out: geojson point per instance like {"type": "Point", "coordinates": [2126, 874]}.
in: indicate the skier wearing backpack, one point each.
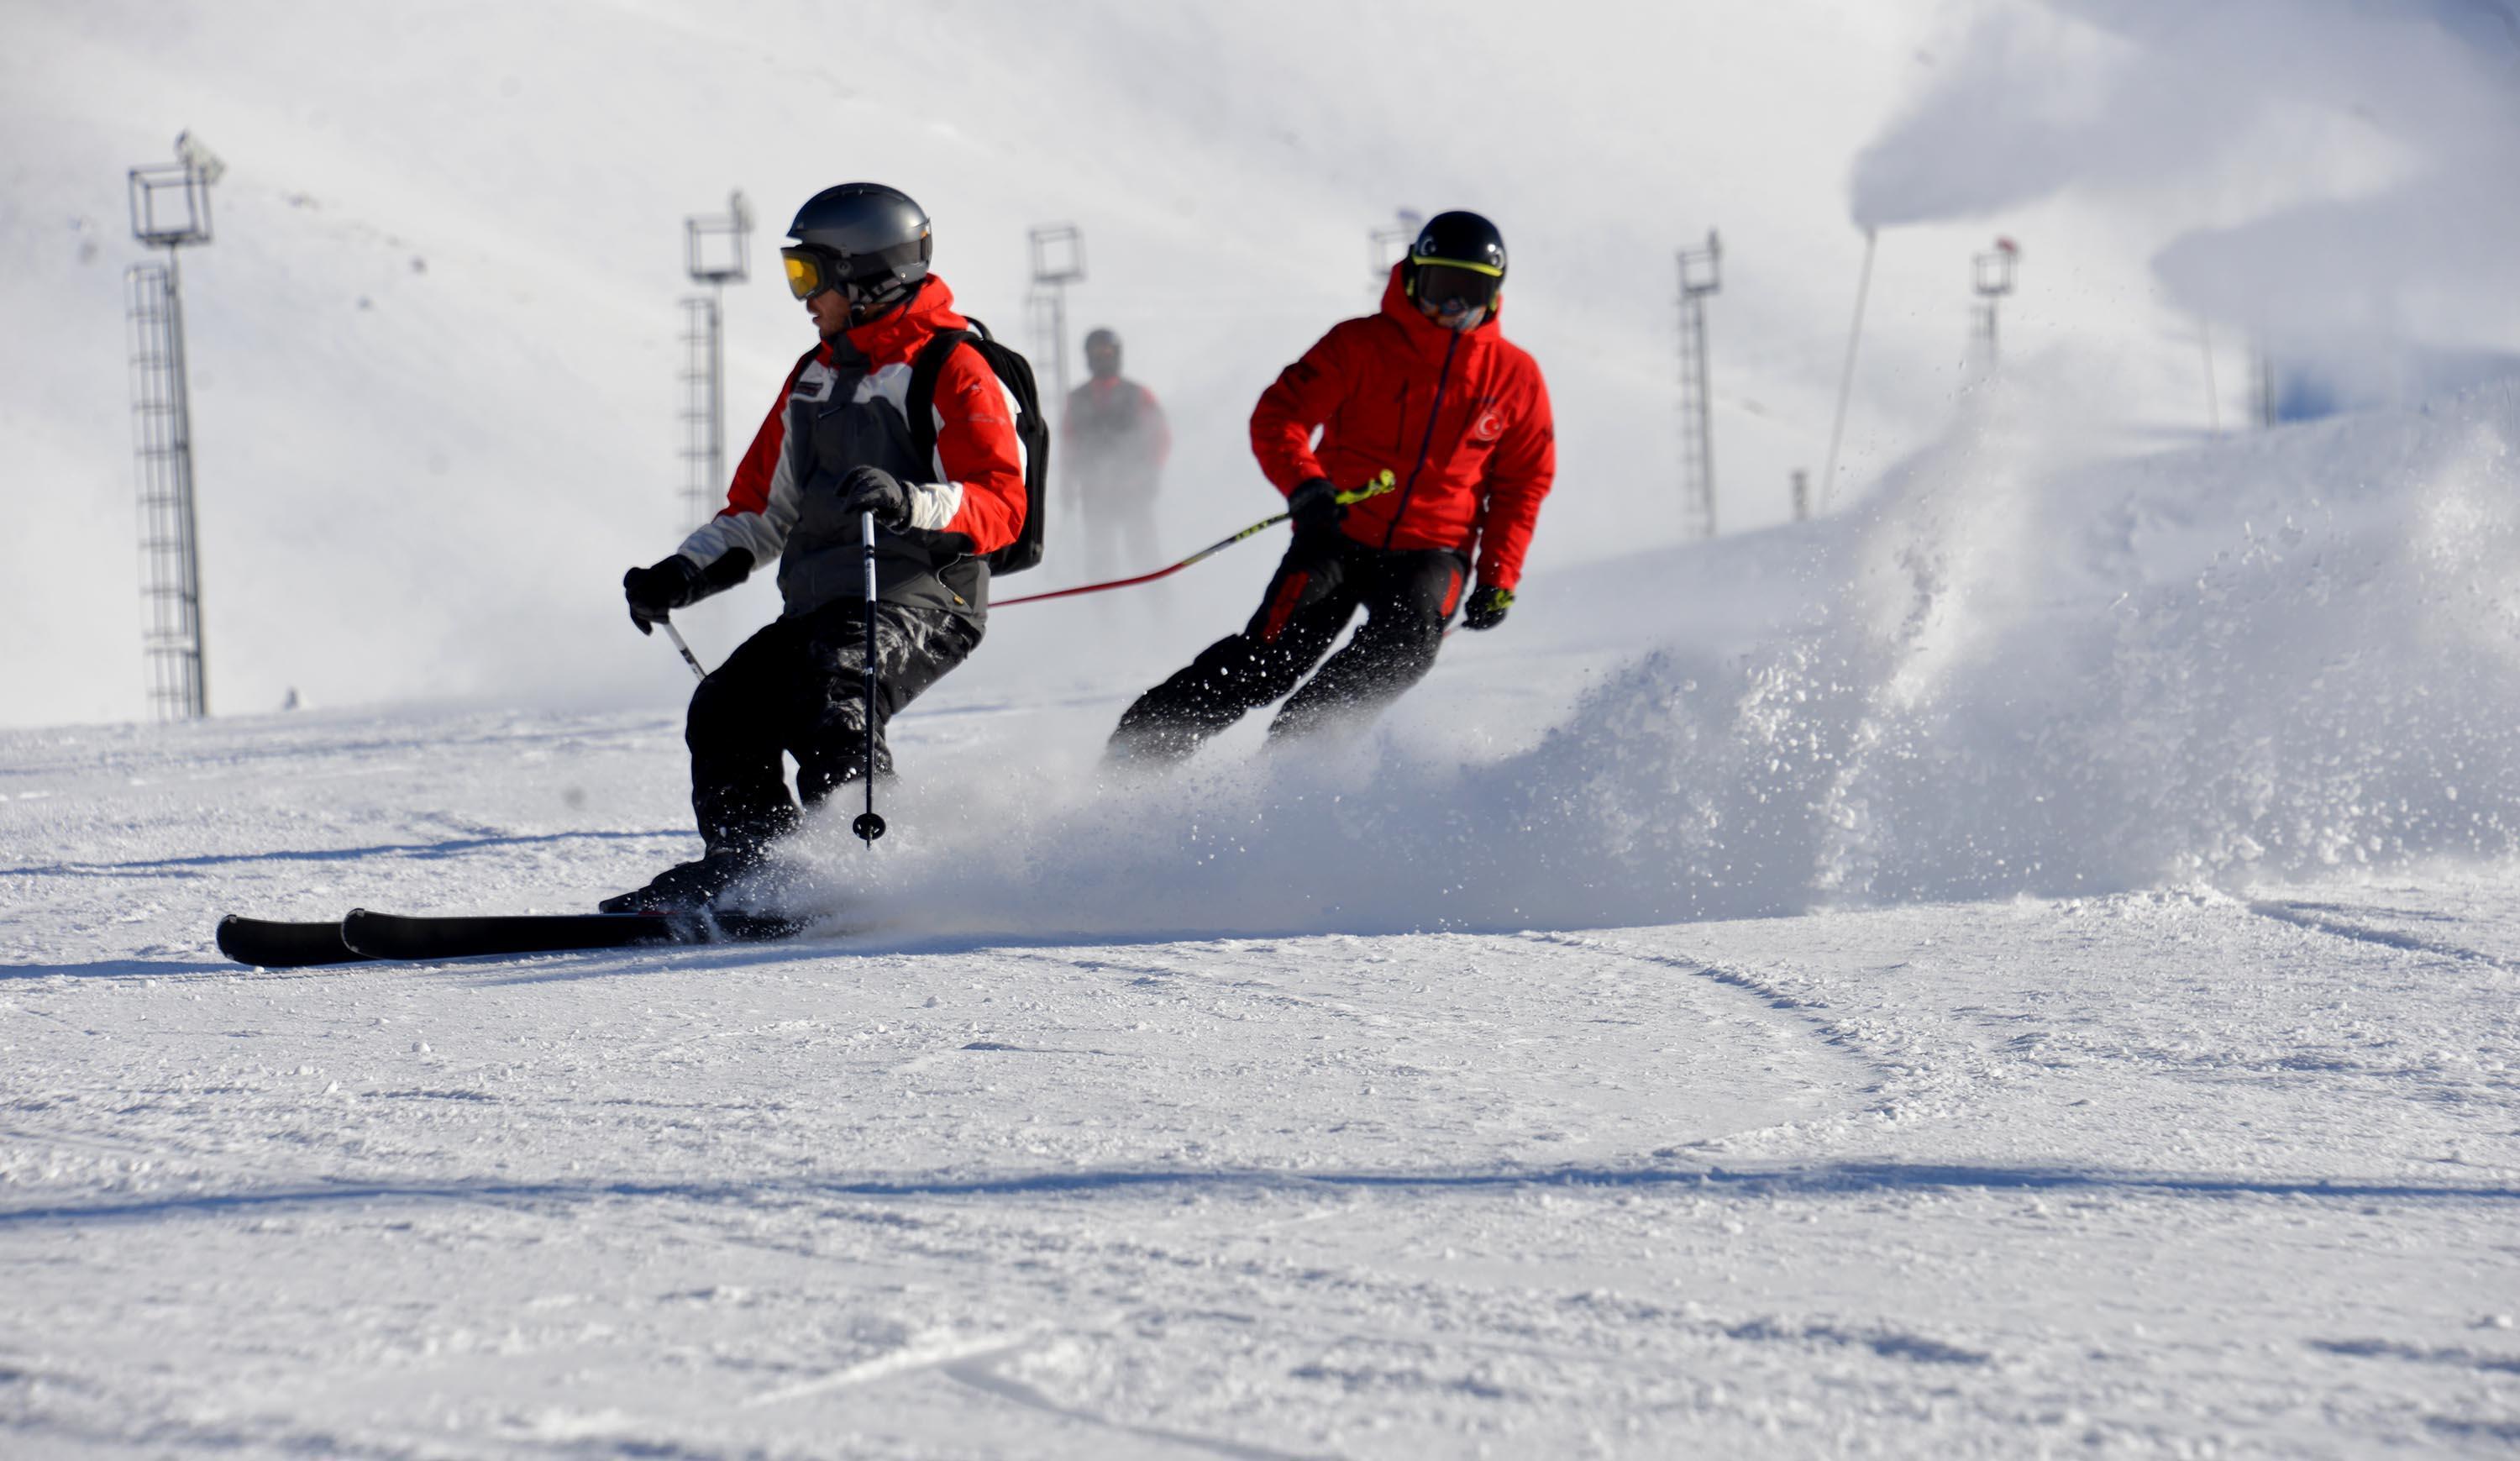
{"type": "Point", "coordinates": [948, 487]}
{"type": "Point", "coordinates": [1429, 390]}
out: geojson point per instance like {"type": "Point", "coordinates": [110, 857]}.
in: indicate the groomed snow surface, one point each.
{"type": "Point", "coordinates": [2026, 967]}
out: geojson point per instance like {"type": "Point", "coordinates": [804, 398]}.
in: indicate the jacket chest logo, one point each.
{"type": "Point", "coordinates": [814, 383]}
{"type": "Point", "coordinates": [1487, 421]}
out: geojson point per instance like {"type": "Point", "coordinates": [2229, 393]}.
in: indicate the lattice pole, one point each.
{"type": "Point", "coordinates": [1046, 307]}
{"type": "Point", "coordinates": [1387, 245]}
{"type": "Point", "coordinates": [1701, 275]}
{"type": "Point", "coordinates": [703, 416]}
{"type": "Point", "coordinates": [714, 254]}
{"type": "Point", "coordinates": [170, 559]}
{"type": "Point", "coordinates": [1992, 280]}
{"type": "Point", "coordinates": [170, 207]}
{"type": "Point", "coordinates": [1057, 261]}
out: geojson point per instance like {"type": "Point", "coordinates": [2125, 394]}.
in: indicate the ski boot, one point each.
{"type": "Point", "coordinates": [689, 886]}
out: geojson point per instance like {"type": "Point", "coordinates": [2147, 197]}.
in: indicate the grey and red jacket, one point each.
{"type": "Point", "coordinates": [1460, 418]}
{"type": "Point", "coordinates": [1112, 442]}
{"type": "Point", "coordinates": [845, 405]}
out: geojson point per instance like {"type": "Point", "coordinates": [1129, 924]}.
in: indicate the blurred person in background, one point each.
{"type": "Point", "coordinates": [1429, 392]}
{"type": "Point", "coordinates": [1112, 440]}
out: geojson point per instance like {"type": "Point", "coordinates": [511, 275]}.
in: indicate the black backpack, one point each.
{"type": "Point", "coordinates": [1032, 428]}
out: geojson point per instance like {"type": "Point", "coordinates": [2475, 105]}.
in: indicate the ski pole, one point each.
{"type": "Point", "coordinates": [690, 658]}
{"type": "Point", "coordinates": [1375, 488]}
{"type": "Point", "coordinates": [869, 826]}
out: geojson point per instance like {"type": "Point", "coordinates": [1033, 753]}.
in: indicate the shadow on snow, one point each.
{"type": "Point", "coordinates": [449, 848]}
{"type": "Point", "coordinates": [1826, 1179]}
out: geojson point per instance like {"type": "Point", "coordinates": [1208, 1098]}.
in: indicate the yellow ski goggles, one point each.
{"type": "Point", "coordinates": [811, 270]}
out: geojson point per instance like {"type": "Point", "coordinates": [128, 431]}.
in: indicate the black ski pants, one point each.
{"type": "Point", "coordinates": [1323, 580]}
{"type": "Point", "coordinates": [798, 686]}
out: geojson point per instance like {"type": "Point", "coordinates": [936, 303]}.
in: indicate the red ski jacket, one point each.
{"type": "Point", "coordinates": [1460, 419]}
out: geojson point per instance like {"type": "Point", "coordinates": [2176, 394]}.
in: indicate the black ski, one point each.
{"type": "Point", "coordinates": [388, 935]}
{"type": "Point", "coordinates": [268, 944]}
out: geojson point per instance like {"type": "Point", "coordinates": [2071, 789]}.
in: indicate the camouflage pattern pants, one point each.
{"type": "Point", "coordinates": [798, 687]}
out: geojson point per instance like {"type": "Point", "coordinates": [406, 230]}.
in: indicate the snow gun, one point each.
{"type": "Point", "coordinates": [1374, 489]}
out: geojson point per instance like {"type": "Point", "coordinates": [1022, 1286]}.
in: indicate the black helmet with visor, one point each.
{"type": "Point", "coordinates": [1457, 264]}
{"type": "Point", "coordinates": [868, 240]}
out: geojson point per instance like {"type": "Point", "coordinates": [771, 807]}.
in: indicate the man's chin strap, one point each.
{"type": "Point", "coordinates": [876, 308]}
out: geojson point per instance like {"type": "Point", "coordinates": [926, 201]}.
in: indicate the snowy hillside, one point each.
{"type": "Point", "coordinates": [2022, 965]}
{"type": "Point", "coordinates": [435, 338]}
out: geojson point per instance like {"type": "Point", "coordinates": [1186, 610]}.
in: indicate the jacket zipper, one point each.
{"type": "Point", "coordinates": [1443, 378]}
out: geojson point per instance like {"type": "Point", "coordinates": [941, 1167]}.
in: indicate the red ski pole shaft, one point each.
{"type": "Point", "coordinates": [1163, 573]}
{"type": "Point", "coordinates": [1376, 488]}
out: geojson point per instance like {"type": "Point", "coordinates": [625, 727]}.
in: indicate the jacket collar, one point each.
{"type": "Point", "coordinates": [893, 338]}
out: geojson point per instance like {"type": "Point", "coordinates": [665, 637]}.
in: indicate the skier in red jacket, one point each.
{"type": "Point", "coordinates": [1431, 391]}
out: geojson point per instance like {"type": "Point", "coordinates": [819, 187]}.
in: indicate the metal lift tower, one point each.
{"type": "Point", "coordinates": [1701, 273]}
{"type": "Point", "coordinates": [714, 254]}
{"type": "Point", "coordinates": [1057, 261]}
{"type": "Point", "coordinates": [1992, 278]}
{"type": "Point", "coordinates": [170, 207]}
{"type": "Point", "coordinates": [1389, 245]}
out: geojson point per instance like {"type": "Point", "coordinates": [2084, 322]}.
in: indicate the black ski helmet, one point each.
{"type": "Point", "coordinates": [1103, 339]}
{"type": "Point", "coordinates": [870, 237]}
{"type": "Point", "coordinates": [1456, 240]}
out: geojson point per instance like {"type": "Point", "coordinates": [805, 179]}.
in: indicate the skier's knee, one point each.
{"type": "Point", "coordinates": [714, 717]}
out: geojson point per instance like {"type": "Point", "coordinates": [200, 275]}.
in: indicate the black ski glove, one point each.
{"type": "Point", "coordinates": [1314, 505]}
{"type": "Point", "coordinates": [1487, 606]}
{"type": "Point", "coordinates": [872, 490]}
{"type": "Point", "coordinates": [655, 592]}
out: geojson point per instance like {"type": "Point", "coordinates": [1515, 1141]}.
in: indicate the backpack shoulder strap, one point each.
{"type": "Point", "coordinates": [920, 402]}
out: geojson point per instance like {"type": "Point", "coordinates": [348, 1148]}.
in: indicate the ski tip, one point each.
{"type": "Point", "coordinates": [267, 944]}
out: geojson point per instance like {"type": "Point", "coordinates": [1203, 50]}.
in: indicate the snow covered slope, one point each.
{"type": "Point", "coordinates": [1368, 1102]}
{"type": "Point", "coordinates": [2152, 1173]}
{"type": "Point", "coordinates": [2023, 966]}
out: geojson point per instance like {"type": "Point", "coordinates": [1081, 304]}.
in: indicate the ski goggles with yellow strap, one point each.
{"type": "Point", "coordinates": [1451, 283]}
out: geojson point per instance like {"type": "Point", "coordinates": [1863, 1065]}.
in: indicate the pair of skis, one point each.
{"type": "Point", "coordinates": [363, 935]}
